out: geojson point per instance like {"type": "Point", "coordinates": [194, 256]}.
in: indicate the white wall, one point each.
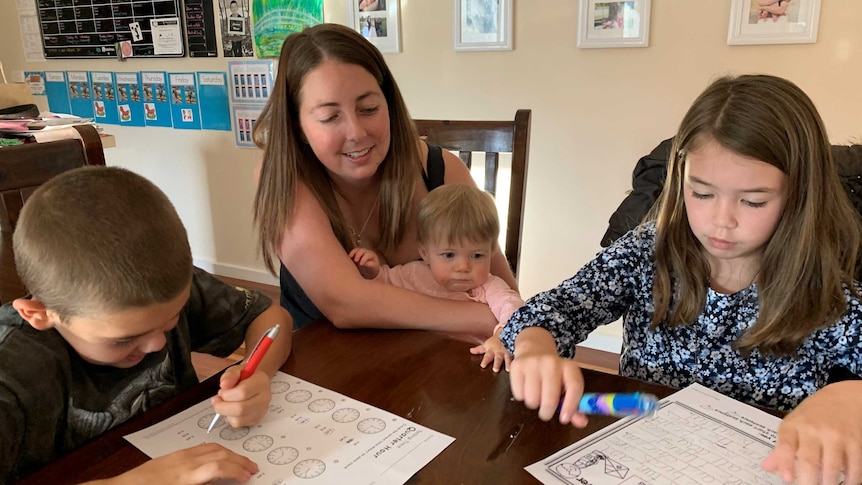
{"type": "Point", "coordinates": [595, 112]}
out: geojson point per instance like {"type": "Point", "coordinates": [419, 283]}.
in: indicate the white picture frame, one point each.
{"type": "Point", "coordinates": [482, 25]}
{"type": "Point", "coordinates": [613, 23]}
{"type": "Point", "coordinates": [378, 21]}
{"type": "Point", "coordinates": [762, 22]}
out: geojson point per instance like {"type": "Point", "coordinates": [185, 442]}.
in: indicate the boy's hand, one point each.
{"type": "Point", "coordinates": [242, 403]}
{"type": "Point", "coordinates": [366, 261]}
{"type": "Point", "coordinates": [821, 438]}
{"type": "Point", "coordinates": [197, 465]}
{"type": "Point", "coordinates": [494, 352]}
{"type": "Point", "coordinates": [539, 376]}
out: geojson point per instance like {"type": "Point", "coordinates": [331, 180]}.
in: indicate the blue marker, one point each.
{"type": "Point", "coordinates": [618, 404]}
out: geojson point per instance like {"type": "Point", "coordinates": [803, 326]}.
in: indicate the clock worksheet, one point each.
{"type": "Point", "coordinates": [310, 435]}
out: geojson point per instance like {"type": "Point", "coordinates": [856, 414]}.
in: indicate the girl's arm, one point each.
{"type": "Point", "coordinates": [821, 438]}
{"type": "Point", "coordinates": [311, 252]}
{"type": "Point", "coordinates": [457, 173]}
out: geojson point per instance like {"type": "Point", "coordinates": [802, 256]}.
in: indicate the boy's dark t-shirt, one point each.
{"type": "Point", "coordinates": [52, 401]}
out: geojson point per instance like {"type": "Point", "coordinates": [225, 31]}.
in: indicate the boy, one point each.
{"type": "Point", "coordinates": [115, 310]}
{"type": "Point", "coordinates": [458, 228]}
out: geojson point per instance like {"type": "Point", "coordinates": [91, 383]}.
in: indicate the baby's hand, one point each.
{"type": "Point", "coordinates": [494, 352]}
{"type": "Point", "coordinates": [821, 438]}
{"type": "Point", "coordinates": [242, 403]}
{"type": "Point", "coordinates": [367, 261]}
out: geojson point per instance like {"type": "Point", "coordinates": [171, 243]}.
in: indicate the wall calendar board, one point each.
{"type": "Point", "coordinates": [91, 28]}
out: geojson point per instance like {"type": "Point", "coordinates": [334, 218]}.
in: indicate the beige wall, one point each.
{"type": "Point", "coordinates": [595, 112]}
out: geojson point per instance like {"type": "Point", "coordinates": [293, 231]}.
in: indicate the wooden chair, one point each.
{"type": "Point", "coordinates": [23, 168]}
{"type": "Point", "coordinates": [492, 138]}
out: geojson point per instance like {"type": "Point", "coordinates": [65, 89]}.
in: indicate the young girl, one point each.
{"type": "Point", "coordinates": [742, 281]}
{"type": "Point", "coordinates": [457, 226]}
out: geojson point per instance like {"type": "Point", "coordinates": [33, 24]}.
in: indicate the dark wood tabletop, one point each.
{"type": "Point", "coordinates": [427, 378]}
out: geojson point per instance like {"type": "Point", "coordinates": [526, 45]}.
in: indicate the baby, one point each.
{"type": "Point", "coordinates": [458, 228]}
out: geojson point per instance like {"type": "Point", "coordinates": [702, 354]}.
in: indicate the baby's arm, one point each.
{"type": "Point", "coordinates": [367, 262]}
{"type": "Point", "coordinates": [503, 302]}
{"type": "Point", "coordinates": [495, 352]}
{"type": "Point", "coordinates": [821, 438]}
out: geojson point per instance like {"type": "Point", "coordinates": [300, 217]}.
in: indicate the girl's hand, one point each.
{"type": "Point", "coordinates": [197, 465]}
{"type": "Point", "coordinates": [539, 375]}
{"type": "Point", "coordinates": [494, 352]}
{"type": "Point", "coordinates": [242, 403]}
{"type": "Point", "coordinates": [821, 438]}
{"type": "Point", "coordinates": [367, 261]}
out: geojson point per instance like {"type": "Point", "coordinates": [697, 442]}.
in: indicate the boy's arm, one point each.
{"type": "Point", "coordinates": [199, 464]}
{"type": "Point", "coordinates": [280, 348]}
{"type": "Point", "coordinates": [245, 403]}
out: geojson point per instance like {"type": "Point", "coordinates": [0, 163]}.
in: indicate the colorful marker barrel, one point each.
{"type": "Point", "coordinates": [618, 404]}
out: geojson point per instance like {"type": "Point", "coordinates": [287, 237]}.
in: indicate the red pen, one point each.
{"type": "Point", "coordinates": [257, 354]}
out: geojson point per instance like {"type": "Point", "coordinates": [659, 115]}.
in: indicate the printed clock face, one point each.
{"type": "Point", "coordinates": [257, 443]}
{"type": "Point", "coordinates": [282, 455]}
{"type": "Point", "coordinates": [300, 395]}
{"type": "Point", "coordinates": [321, 405]}
{"type": "Point", "coordinates": [345, 415]}
{"type": "Point", "coordinates": [371, 425]}
{"type": "Point", "coordinates": [277, 387]}
{"type": "Point", "coordinates": [204, 422]}
{"type": "Point", "coordinates": [310, 468]}
{"type": "Point", "coordinates": [231, 433]}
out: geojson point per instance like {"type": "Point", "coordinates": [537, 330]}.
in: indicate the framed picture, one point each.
{"type": "Point", "coordinates": [377, 21]}
{"type": "Point", "coordinates": [612, 23]}
{"type": "Point", "coordinates": [236, 25]}
{"type": "Point", "coordinates": [483, 25]}
{"type": "Point", "coordinates": [773, 22]}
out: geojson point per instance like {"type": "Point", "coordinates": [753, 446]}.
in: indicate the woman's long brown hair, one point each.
{"type": "Point", "coordinates": [287, 160]}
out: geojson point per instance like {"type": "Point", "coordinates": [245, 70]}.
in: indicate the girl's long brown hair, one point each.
{"type": "Point", "coordinates": [812, 254]}
{"type": "Point", "coordinates": [288, 160]}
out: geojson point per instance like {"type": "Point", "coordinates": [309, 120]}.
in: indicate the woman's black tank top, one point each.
{"type": "Point", "coordinates": [294, 299]}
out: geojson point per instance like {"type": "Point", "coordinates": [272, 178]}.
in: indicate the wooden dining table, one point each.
{"type": "Point", "coordinates": [427, 378]}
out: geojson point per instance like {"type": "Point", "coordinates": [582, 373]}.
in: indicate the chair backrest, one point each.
{"type": "Point", "coordinates": [23, 168]}
{"type": "Point", "coordinates": [492, 138]}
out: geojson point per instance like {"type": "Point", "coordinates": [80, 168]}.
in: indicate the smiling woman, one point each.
{"type": "Point", "coordinates": [341, 153]}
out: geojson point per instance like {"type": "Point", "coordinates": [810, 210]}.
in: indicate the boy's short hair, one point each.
{"type": "Point", "coordinates": [97, 239]}
{"type": "Point", "coordinates": [457, 213]}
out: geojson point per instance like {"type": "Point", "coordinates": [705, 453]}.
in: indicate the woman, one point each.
{"type": "Point", "coordinates": [343, 167]}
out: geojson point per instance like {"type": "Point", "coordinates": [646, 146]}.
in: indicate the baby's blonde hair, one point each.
{"type": "Point", "coordinates": [457, 213]}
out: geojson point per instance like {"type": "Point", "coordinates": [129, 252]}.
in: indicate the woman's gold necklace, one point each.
{"type": "Point", "coordinates": [357, 236]}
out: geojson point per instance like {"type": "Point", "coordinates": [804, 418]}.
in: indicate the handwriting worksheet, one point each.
{"type": "Point", "coordinates": [698, 436]}
{"type": "Point", "coordinates": [310, 435]}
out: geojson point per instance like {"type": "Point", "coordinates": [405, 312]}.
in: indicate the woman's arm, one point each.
{"type": "Point", "coordinates": [458, 173]}
{"type": "Point", "coordinates": [311, 252]}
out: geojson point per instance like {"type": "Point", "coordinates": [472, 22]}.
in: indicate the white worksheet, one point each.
{"type": "Point", "coordinates": [698, 436]}
{"type": "Point", "coordinates": [311, 435]}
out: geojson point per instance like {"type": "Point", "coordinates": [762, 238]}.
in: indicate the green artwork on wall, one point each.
{"type": "Point", "coordinates": [276, 19]}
